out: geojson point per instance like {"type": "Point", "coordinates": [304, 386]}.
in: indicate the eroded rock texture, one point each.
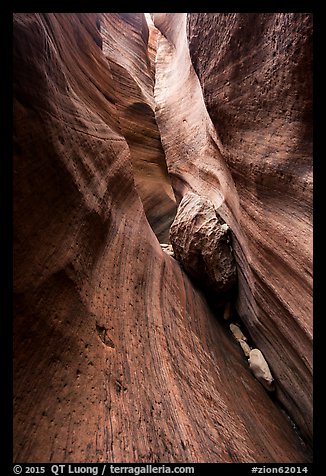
{"type": "Point", "coordinates": [252, 157]}
{"type": "Point", "coordinates": [117, 357]}
{"type": "Point", "coordinates": [201, 243]}
{"type": "Point", "coordinates": [132, 72]}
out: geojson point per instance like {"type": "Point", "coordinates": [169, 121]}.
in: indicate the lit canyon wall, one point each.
{"type": "Point", "coordinates": [252, 157]}
{"type": "Point", "coordinates": [117, 355]}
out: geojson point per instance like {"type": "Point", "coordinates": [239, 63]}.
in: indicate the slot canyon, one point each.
{"type": "Point", "coordinates": [162, 206]}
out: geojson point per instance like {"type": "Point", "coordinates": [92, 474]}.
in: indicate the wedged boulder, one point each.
{"type": "Point", "coordinates": [202, 244]}
{"type": "Point", "coordinates": [242, 137]}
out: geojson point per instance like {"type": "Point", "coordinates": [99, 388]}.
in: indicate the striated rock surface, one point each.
{"type": "Point", "coordinates": [117, 357]}
{"type": "Point", "coordinates": [152, 44]}
{"type": "Point", "coordinates": [131, 90]}
{"type": "Point", "coordinates": [201, 243]}
{"type": "Point", "coordinates": [252, 157]}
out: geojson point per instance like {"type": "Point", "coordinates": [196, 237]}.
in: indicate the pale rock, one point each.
{"type": "Point", "coordinates": [245, 347]}
{"type": "Point", "coordinates": [236, 331]}
{"type": "Point", "coordinates": [167, 249]}
{"type": "Point", "coordinates": [260, 369]}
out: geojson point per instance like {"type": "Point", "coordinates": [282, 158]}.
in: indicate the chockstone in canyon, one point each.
{"type": "Point", "coordinates": [162, 237]}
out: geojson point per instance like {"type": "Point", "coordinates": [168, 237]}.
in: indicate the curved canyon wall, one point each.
{"type": "Point", "coordinates": [117, 356]}
{"type": "Point", "coordinates": [252, 157]}
{"type": "Point", "coordinates": [132, 72]}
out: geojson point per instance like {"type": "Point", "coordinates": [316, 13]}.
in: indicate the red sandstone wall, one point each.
{"type": "Point", "coordinates": [117, 356]}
